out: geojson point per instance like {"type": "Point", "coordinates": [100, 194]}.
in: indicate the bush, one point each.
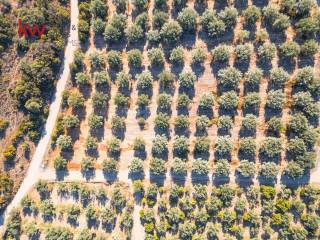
{"type": "Point", "coordinates": [159, 145]}
{"type": "Point", "coordinates": [183, 101]}
{"type": "Point", "coordinates": [156, 56]}
{"type": "Point", "coordinates": [252, 101]}
{"type": "Point", "coordinates": [98, 8]}
{"type": "Point", "coordinates": [64, 142]}
{"type": "Point", "coordinates": [63, 233]}
{"type": "Point", "coordinates": [60, 163]}
{"type": "Point", "coordinates": [309, 48]}
{"type": "Point", "coordinates": [206, 100]}
{"type": "Point", "coordinates": [91, 143]}
{"type": "Point", "coordinates": [162, 122]}
{"type": "Point", "coordinates": [248, 147]}
{"type": "Point", "coordinates": [278, 77]}
{"type": "Point", "coordinates": [223, 145]}
{"type": "Point", "coordinates": [221, 53]}
{"type": "Point", "coordinates": [112, 34]}
{"type": "Point", "coordinates": [296, 147]}
{"type": "Point", "coordinates": [181, 145]}
{"type": "Point", "coordinates": [202, 122]}
{"type": "Point", "coordinates": [294, 170]}
{"type": "Point", "coordinates": [123, 80]}
{"type": "Point", "coordinates": [95, 121]}
{"type": "Point", "coordinates": [166, 79]}
{"type": "Point", "coordinates": [202, 145]}
{"type": "Point", "coordinates": [289, 49]}
{"type": "Point", "coordinates": [225, 123]}
{"type": "Point", "coordinates": [247, 169]}
{"type": "Point", "coordinates": [186, 80]}
{"type": "Point", "coordinates": [153, 36]}
{"type": "Point", "coordinates": [87, 164]}
{"type": "Point", "coordinates": [298, 123]}
{"type": "Point", "coordinates": [121, 100]}
{"type": "Point", "coordinates": [179, 167]}
{"type": "Point", "coordinates": [307, 27]}
{"type": "Point", "coordinates": [275, 125]}
{"type": "Point", "coordinates": [182, 122]}
{"type": "Point", "coordinates": [305, 77]}
{"type": "Point", "coordinates": [117, 123]}
{"type": "Point", "coordinates": [251, 15]}
{"type": "Point", "coordinates": [267, 52]}
{"type": "Point", "coordinates": [135, 58]}
{"type": "Point", "coordinates": [187, 19]}
{"type": "Point", "coordinates": [157, 167]}
{"type": "Point", "coordinates": [229, 16]}
{"type": "Point", "coordinates": [136, 166]}
{"type": "Point", "coordinates": [276, 99]}
{"type": "Point", "coordinates": [253, 77]}
{"type": "Point", "coordinates": [113, 146]}
{"type": "Point", "coordinates": [198, 55]}
{"type": "Point", "coordinates": [269, 170]}
{"type": "Point", "coordinates": [76, 100]}
{"type": "Point", "coordinates": [249, 123]}
{"type": "Point", "coordinates": [4, 124]}
{"type": "Point", "coordinates": [98, 26]}
{"type": "Point", "coordinates": [159, 19]}
{"type": "Point", "coordinates": [200, 167]}
{"type": "Point", "coordinates": [143, 100]}
{"type": "Point", "coordinates": [261, 35]}
{"type": "Point", "coordinates": [243, 52]}
{"type": "Point", "coordinates": [144, 81]}
{"type": "Point", "coordinates": [177, 55]}
{"type": "Point", "coordinates": [171, 32]}
{"type": "Point", "coordinates": [114, 59]}
{"type": "Point", "coordinates": [164, 101]}
{"type": "Point", "coordinates": [71, 121]}
{"type": "Point", "coordinates": [83, 30]}
{"type": "Point", "coordinates": [134, 33]}
{"type": "Point", "coordinates": [101, 78]}
{"type": "Point", "coordinates": [140, 5]}
{"type": "Point", "coordinates": [142, 20]}
{"type": "Point", "coordinates": [229, 100]}
{"type": "Point", "coordinates": [82, 78]}
{"type": "Point", "coordinates": [99, 100]}
{"type": "Point", "coordinates": [139, 144]}
{"type": "Point", "coordinates": [120, 5]}
{"type": "Point", "coordinates": [97, 60]}
{"type": "Point", "coordinates": [271, 147]}
{"type": "Point", "coordinates": [222, 168]}
{"type": "Point", "coordinates": [110, 166]}
{"type": "Point", "coordinates": [229, 77]}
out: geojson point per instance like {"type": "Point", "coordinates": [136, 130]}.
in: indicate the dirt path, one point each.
{"type": "Point", "coordinates": [33, 175]}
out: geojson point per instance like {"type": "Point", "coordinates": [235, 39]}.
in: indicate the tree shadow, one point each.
{"type": "Point", "coordinates": [110, 177]}
{"type": "Point", "coordinates": [136, 175]}
{"type": "Point", "coordinates": [265, 181]}
{"type": "Point", "coordinates": [220, 180]}
{"type": "Point", "coordinates": [199, 179]}
{"type": "Point", "coordinates": [287, 64]}
{"type": "Point", "coordinates": [88, 174]}
{"type": "Point", "coordinates": [295, 183]}
{"type": "Point", "coordinates": [158, 179]}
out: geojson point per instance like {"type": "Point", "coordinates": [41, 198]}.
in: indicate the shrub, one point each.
{"type": "Point", "coordinates": [307, 27]}
{"type": "Point", "coordinates": [101, 78]}
{"type": "Point", "coordinates": [112, 34]}
{"type": "Point", "coordinates": [267, 52]}
{"type": "Point", "coordinates": [71, 121]}
{"type": "Point", "coordinates": [96, 60]}
{"type": "Point", "coordinates": [156, 56]}
{"type": "Point", "coordinates": [247, 169]}
{"type": "Point", "coordinates": [276, 99]}
{"type": "Point", "coordinates": [143, 100]}
{"type": "Point", "coordinates": [4, 124]}
{"type": "Point", "coordinates": [249, 123]}
{"type": "Point", "coordinates": [309, 48]}
{"type": "Point", "coordinates": [222, 168]}
{"type": "Point", "coordinates": [114, 59]}
{"type": "Point", "coordinates": [75, 100]}
{"type": "Point", "coordinates": [164, 101]}
{"type": "Point", "coordinates": [198, 55]}
{"type": "Point", "coordinates": [200, 167]}
{"type": "Point", "coordinates": [254, 77]}
{"type": "Point", "coordinates": [251, 15]}
{"type": "Point", "coordinates": [202, 122]}
{"type": "Point", "coordinates": [225, 123]}
{"type": "Point", "coordinates": [87, 164]}
{"type": "Point", "coordinates": [135, 58]}
{"type": "Point", "coordinates": [47, 208]}
{"type": "Point", "coordinates": [269, 170]}
{"type": "Point", "coordinates": [221, 53]}
{"type": "Point", "coordinates": [117, 123]}
{"type": "Point", "coordinates": [275, 125]}
{"type": "Point", "coordinates": [229, 100]}
{"type": "Point", "coordinates": [186, 80]}
{"type": "Point", "coordinates": [139, 144]}
{"type": "Point", "coordinates": [181, 145]}
{"type": "Point", "coordinates": [120, 5]}
{"type": "Point", "coordinates": [271, 147]}
{"type": "Point", "coordinates": [110, 166]}
{"type": "Point", "coordinates": [261, 35]}
{"type": "Point", "coordinates": [83, 30]}
{"type": "Point", "coordinates": [177, 55]}
{"type": "Point", "coordinates": [179, 167]}
{"type": "Point", "coordinates": [144, 81]}
{"type": "Point", "coordinates": [166, 79]}
{"type": "Point", "coordinates": [162, 122]}
{"type": "Point", "coordinates": [183, 101]}
{"type": "Point", "coordinates": [153, 36]}
{"type": "Point", "coordinates": [229, 16]}
{"type": "Point", "coordinates": [298, 123]}
{"type": "Point", "coordinates": [82, 78]}
{"type": "Point", "coordinates": [60, 163]}
{"type": "Point", "coordinates": [159, 145]}
{"type": "Point", "coordinates": [99, 100]}
{"type": "Point", "coordinates": [289, 49]}
{"type": "Point", "coordinates": [182, 122]}
{"type": "Point", "coordinates": [187, 19]}
{"type": "Point", "coordinates": [157, 167]}
{"type": "Point", "coordinates": [202, 145]}
{"type": "Point", "coordinates": [136, 166]}
{"type": "Point", "coordinates": [243, 52]}
{"type": "Point", "coordinates": [95, 121]}
{"type": "Point", "coordinates": [296, 147]}
{"type": "Point", "coordinates": [229, 77]}
{"type": "Point", "coordinates": [134, 33]}
{"type": "Point", "coordinates": [64, 142]}
{"type": "Point", "coordinates": [294, 170]}
{"type": "Point", "coordinates": [123, 80]}
{"type": "Point", "coordinates": [98, 8]}
{"type": "Point", "coordinates": [305, 77]}
{"type": "Point", "coordinates": [113, 146]}
{"type": "Point", "coordinates": [121, 100]}
{"type": "Point", "coordinates": [248, 146]}
{"type": "Point", "coordinates": [278, 77]}
{"type": "Point", "coordinates": [140, 5]}
{"type": "Point", "coordinates": [159, 19]}
{"type": "Point", "coordinates": [91, 143]}
{"type": "Point", "coordinates": [142, 20]}
{"type": "Point", "coordinates": [223, 145]}
{"type": "Point", "coordinates": [252, 101]}
{"type": "Point", "coordinates": [58, 232]}
{"type": "Point", "coordinates": [171, 32]}
{"type": "Point", "coordinates": [206, 101]}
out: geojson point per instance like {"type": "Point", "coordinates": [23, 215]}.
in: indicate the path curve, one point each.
{"type": "Point", "coordinates": [33, 173]}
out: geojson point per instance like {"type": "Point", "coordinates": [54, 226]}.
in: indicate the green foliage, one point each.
{"type": "Point", "coordinates": [179, 167]}
{"type": "Point", "coordinates": [222, 168]}
{"type": "Point", "coordinates": [267, 52]}
{"type": "Point", "coordinates": [140, 5]}
{"type": "Point", "coordinates": [162, 122]}
{"type": "Point", "coordinates": [229, 100]}
{"type": "Point", "coordinates": [95, 121]}
{"type": "Point", "coordinates": [251, 15]}
{"type": "Point", "coordinates": [229, 77]}
{"type": "Point", "coordinates": [113, 146]}
{"type": "Point", "coordinates": [156, 56]}
{"type": "Point", "coordinates": [171, 32]}
{"type": "Point", "coordinates": [114, 59]}
{"type": "Point", "coordinates": [271, 146]}
{"type": "Point", "coordinates": [225, 123]}
{"type": "Point", "coordinates": [198, 55]}
{"type": "Point", "coordinates": [202, 122]}
{"type": "Point", "coordinates": [135, 58]}
{"type": "Point", "coordinates": [289, 49]}
{"type": "Point", "coordinates": [187, 19]}
{"type": "Point", "coordinates": [110, 166]}
{"type": "Point", "coordinates": [243, 52]}
{"type": "Point", "coordinates": [278, 77]}
{"type": "Point", "coordinates": [60, 163]}
{"type": "Point", "coordinates": [186, 80]}
{"type": "Point", "coordinates": [62, 233]}
{"type": "Point", "coordinates": [181, 145]}
{"type": "Point", "coordinates": [248, 146]}
{"type": "Point", "coordinates": [164, 101]}
{"type": "Point", "coordinates": [71, 121]}
{"type": "Point", "coordinates": [159, 145]}
{"type": "Point", "coordinates": [91, 143]}
{"type": "Point", "coordinates": [247, 169]}
{"type": "Point", "coordinates": [202, 145]}
{"type": "Point", "coordinates": [64, 142]}
{"type": "Point", "coordinates": [177, 55]}
{"type": "Point", "coordinates": [99, 100]}
{"type": "Point", "coordinates": [157, 167]}
{"type": "Point", "coordinates": [276, 99]}
{"type": "Point", "coordinates": [87, 164]}
{"type": "Point", "coordinates": [76, 100]}
{"type": "Point", "coordinates": [223, 145]}
{"type": "Point", "coordinates": [134, 33]}
{"type": "Point", "coordinates": [221, 53]}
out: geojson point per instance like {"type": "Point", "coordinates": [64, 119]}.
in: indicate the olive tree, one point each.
{"type": "Point", "coordinates": [160, 145]}
{"type": "Point", "coordinates": [179, 167]}
{"type": "Point", "coordinates": [206, 100]}
{"type": "Point", "coordinates": [181, 145]}
{"type": "Point", "coordinates": [289, 49]}
{"type": "Point", "coordinates": [223, 145]}
{"type": "Point", "coordinates": [251, 15]}
{"type": "Point", "coordinates": [229, 77]}
{"type": "Point", "coordinates": [243, 52]}
{"type": "Point", "coordinates": [134, 33]}
{"type": "Point", "coordinates": [267, 52]}
{"type": "Point", "coordinates": [254, 77]}
{"type": "Point", "coordinates": [187, 19]}
{"type": "Point", "coordinates": [276, 99]}
{"type": "Point", "coordinates": [135, 58]}
{"type": "Point", "coordinates": [221, 53]}
{"type": "Point", "coordinates": [247, 169]}
{"type": "Point", "coordinates": [200, 167]}
{"type": "Point", "coordinates": [222, 168]}
{"type": "Point", "coordinates": [271, 147]}
{"type": "Point", "coordinates": [278, 77]}
{"type": "Point", "coordinates": [156, 56]}
{"type": "Point", "coordinates": [177, 55]}
{"type": "Point", "coordinates": [248, 146]}
{"type": "Point", "coordinates": [269, 170]}
{"type": "Point", "coordinates": [229, 100]}
{"type": "Point", "coordinates": [171, 32]}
